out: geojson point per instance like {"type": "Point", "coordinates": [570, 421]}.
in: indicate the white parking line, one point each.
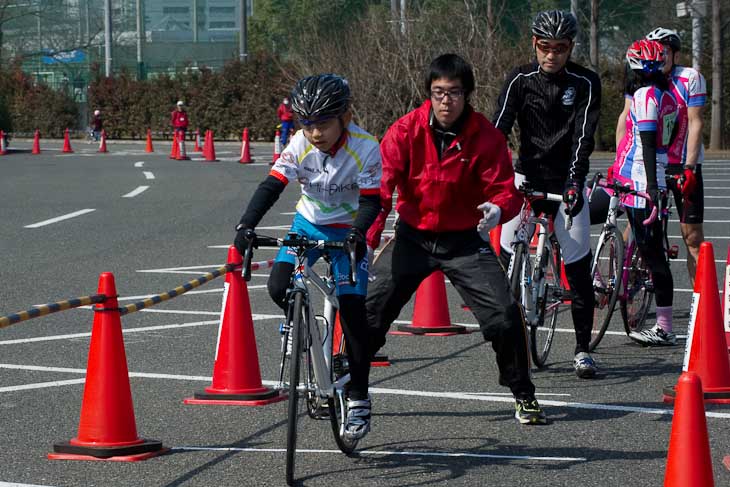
{"type": "Point", "coordinates": [60, 218]}
{"type": "Point", "coordinates": [139, 164]}
{"type": "Point", "coordinates": [387, 453]}
{"type": "Point", "coordinates": [148, 175]}
{"type": "Point", "coordinates": [135, 192]}
{"type": "Point", "coordinates": [42, 385]}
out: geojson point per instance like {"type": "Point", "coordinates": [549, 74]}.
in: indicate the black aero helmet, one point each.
{"type": "Point", "coordinates": [666, 36]}
{"type": "Point", "coordinates": [555, 24]}
{"type": "Point", "coordinates": [320, 96]}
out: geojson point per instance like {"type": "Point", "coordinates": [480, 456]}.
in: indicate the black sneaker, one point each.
{"type": "Point", "coordinates": [528, 411]}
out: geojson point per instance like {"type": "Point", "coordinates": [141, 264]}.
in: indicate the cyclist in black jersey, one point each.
{"type": "Point", "coordinates": [556, 104]}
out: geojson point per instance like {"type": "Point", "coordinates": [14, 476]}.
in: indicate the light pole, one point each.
{"type": "Point", "coordinates": [243, 37]}
{"type": "Point", "coordinates": [108, 37]}
{"type": "Point", "coordinates": [140, 40]}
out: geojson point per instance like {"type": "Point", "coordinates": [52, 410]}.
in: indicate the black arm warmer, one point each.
{"type": "Point", "coordinates": [367, 212]}
{"type": "Point", "coordinates": [648, 142]}
{"type": "Point", "coordinates": [262, 200]}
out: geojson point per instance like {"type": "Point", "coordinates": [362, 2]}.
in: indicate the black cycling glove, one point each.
{"type": "Point", "coordinates": [355, 239]}
{"type": "Point", "coordinates": [573, 197]}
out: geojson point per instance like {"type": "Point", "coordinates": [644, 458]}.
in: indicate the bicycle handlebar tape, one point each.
{"type": "Point", "coordinates": [209, 147]}
{"type": "Point", "coordinates": [107, 429]}
{"type": "Point", "coordinates": [245, 148]}
{"type": "Point", "coordinates": [67, 143]}
{"type": "Point", "coordinates": [689, 461]}
{"type": "Point", "coordinates": [706, 351]}
{"type": "Point", "coordinates": [236, 373]}
{"type": "Point", "coordinates": [175, 150]}
{"type": "Point", "coordinates": [431, 310]}
{"type": "Point", "coordinates": [277, 147]}
{"type": "Point", "coordinates": [102, 144]}
{"type": "Point", "coordinates": [148, 146]}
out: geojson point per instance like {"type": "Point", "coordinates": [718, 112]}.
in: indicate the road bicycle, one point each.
{"type": "Point", "coordinates": [619, 272]}
{"type": "Point", "coordinates": [309, 370]}
{"type": "Point", "coordinates": [535, 273]}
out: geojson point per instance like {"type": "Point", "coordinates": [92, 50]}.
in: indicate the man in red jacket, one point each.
{"type": "Point", "coordinates": [179, 119]}
{"type": "Point", "coordinates": [286, 117]}
{"type": "Point", "coordinates": [455, 182]}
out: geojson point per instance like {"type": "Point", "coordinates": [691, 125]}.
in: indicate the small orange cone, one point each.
{"type": "Point", "coordinates": [197, 147]}
{"type": "Point", "coordinates": [236, 373]}
{"type": "Point", "coordinates": [66, 142]}
{"type": "Point", "coordinates": [245, 148]}
{"type": "Point", "coordinates": [175, 151]}
{"type": "Point", "coordinates": [182, 154]}
{"type": "Point", "coordinates": [209, 147]}
{"type": "Point", "coordinates": [726, 299]}
{"type": "Point", "coordinates": [431, 310]}
{"type": "Point", "coordinates": [149, 147]}
{"type": "Point", "coordinates": [36, 143]}
{"type": "Point", "coordinates": [495, 234]}
{"type": "Point", "coordinates": [107, 430]}
{"type": "Point", "coordinates": [3, 147]}
{"type": "Point", "coordinates": [706, 350]}
{"type": "Point", "coordinates": [689, 461]}
{"type": "Point", "coordinates": [277, 147]}
{"type": "Point", "coordinates": [102, 144]}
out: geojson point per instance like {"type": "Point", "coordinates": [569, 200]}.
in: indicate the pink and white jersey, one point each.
{"type": "Point", "coordinates": [690, 90]}
{"type": "Point", "coordinates": [652, 110]}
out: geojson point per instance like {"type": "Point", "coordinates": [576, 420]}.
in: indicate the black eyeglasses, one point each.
{"type": "Point", "coordinates": [439, 94]}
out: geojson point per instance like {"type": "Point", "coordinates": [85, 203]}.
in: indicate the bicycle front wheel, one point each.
{"type": "Point", "coordinates": [638, 295]}
{"type": "Point", "coordinates": [297, 317]}
{"type": "Point", "coordinates": [606, 272]}
{"type": "Point", "coordinates": [543, 332]}
{"type": "Point", "coordinates": [518, 271]}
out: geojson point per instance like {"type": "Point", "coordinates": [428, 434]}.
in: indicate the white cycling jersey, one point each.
{"type": "Point", "coordinates": [331, 185]}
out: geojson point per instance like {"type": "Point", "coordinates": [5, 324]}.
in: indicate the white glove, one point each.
{"type": "Point", "coordinates": [489, 220]}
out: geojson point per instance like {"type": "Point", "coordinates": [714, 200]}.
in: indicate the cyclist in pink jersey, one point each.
{"type": "Point", "coordinates": [685, 154]}
{"type": "Point", "coordinates": [641, 160]}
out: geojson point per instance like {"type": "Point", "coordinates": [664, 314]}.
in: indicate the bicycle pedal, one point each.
{"type": "Point", "coordinates": [673, 252]}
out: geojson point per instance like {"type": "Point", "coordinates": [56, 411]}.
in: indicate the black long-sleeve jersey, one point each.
{"type": "Point", "coordinates": [557, 115]}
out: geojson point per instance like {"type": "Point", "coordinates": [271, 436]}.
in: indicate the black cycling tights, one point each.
{"type": "Point", "coordinates": [650, 240]}
{"type": "Point", "coordinates": [354, 326]}
{"type": "Point", "coordinates": [583, 300]}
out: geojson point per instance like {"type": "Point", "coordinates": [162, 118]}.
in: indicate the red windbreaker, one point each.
{"type": "Point", "coordinates": [179, 119]}
{"type": "Point", "coordinates": [442, 195]}
{"type": "Point", "coordinates": [284, 113]}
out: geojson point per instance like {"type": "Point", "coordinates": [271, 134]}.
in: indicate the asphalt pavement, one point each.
{"type": "Point", "coordinates": [439, 415]}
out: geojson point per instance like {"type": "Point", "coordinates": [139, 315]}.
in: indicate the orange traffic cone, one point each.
{"type": "Point", "coordinates": [209, 147]}
{"type": "Point", "coordinates": [36, 143]}
{"type": "Point", "coordinates": [726, 299]}
{"type": "Point", "coordinates": [495, 234]}
{"type": "Point", "coordinates": [175, 151]}
{"type": "Point", "coordinates": [196, 147]}
{"type": "Point", "coordinates": [66, 142]}
{"type": "Point", "coordinates": [338, 346]}
{"type": "Point", "coordinates": [3, 147]}
{"type": "Point", "coordinates": [689, 461]}
{"type": "Point", "coordinates": [277, 147]}
{"type": "Point", "coordinates": [182, 154]}
{"type": "Point", "coordinates": [245, 148]}
{"type": "Point", "coordinates": [107, 430]}
{"type": "Point", "coordinates": [706, 350]}
{"type": "Point", "coordinates": [102, 144]}
{"type": "Point", "coordinates": [431, 310]}
{"type": "Point", "coordinates": [149, 147]}
{"type": "Point", "coordinates": [236, 373]}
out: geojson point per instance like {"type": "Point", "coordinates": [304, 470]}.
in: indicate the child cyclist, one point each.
{"type": "Point", "coordinates": [337, 165]}
{"type": "Point", "coordinates": [641, 159]}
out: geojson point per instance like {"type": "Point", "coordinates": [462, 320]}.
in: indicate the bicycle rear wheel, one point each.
{"type": "Point", "coordinates": [606, 272]}
{"type": "Point", "coordinates": [338, 413]}
{"type": "Point", "coordinates": [298, 323]}
{"type": "Point", "coordinates": [639, 293]}
{"type": "Point", "coordinates": [542, 333]}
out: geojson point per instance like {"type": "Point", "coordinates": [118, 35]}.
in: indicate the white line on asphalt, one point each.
{"type": "Point", "coordinates": [41, 385]}
{"type": "Point", "coordinates": [13, 484]}
{"type": "Point", "coordinates": [387, 453]}
{"type": "Point", "coordinates": [716, 187]}
{"type": "Point", "coordinates": [716, 180]}
{"type": "Point", "coordinates": [679, 237]}
{"type": "Point", "coordinates": [135, 192]}
{"type": "Point", "coordinates": [148, 175]}
{"type": "Point", "coordinates": [402, 392]}
{"type": "Point", "coordinates": [139, 164]}
{"type": "Point", "coordinates": [717, 197]}
{"type": "Point", "coordinates": [60, 218]}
